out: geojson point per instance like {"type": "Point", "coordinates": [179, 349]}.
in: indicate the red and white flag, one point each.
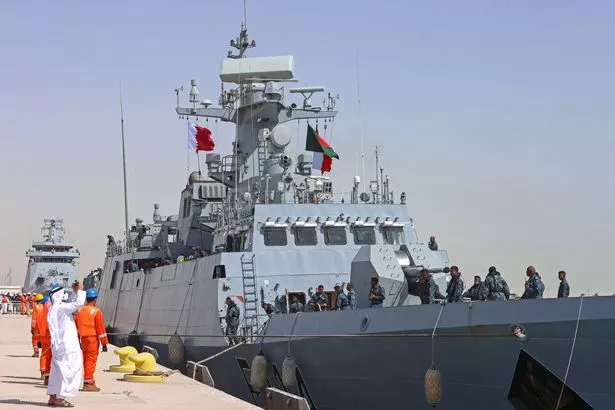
{"type": "Point", "coordinates": [200, 138]}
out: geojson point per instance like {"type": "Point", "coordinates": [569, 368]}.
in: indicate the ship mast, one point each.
{"type": "Point", "coordinates": [242, 44]}
{"type": "Point", "coordinates": [124, 167]}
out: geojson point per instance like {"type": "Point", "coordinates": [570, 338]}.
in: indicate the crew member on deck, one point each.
{"type": "Point", "coordinates": [351, 296]}
{"type": "Point", "coordinates": [428, 289]}
{"type": "Point", "coordinates": [475, 292]}
{"type": "Point", "coordinates": [376, 294]}
{"type": "Point", "coordinates": [432, 244]}
{"type": "Point", "coordinates": [295, 305]}
{"type": "Point", "coordinates": [454, 289]}
{"type": "Point", "coordinates": [92, 333]}
{"type": "Point", "coordinates": [564, 288]}
{"type": "Point", "coordinates": [319, 299]}
{"type": "Point", "coordinates": [232, 320]}
{"type": "Point", "coordinates": [534, 287]}
{"type": "Point", "coordinates": [341, 302]}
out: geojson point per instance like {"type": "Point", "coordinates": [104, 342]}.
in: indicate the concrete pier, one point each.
{"type": "Point", "coordinates": [22, 388]}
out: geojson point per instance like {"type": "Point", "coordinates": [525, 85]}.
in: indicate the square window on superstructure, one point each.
{"type": "Point", "coordinates": [364, 235]}
{"type": "Point", "coordinates": [393, 235]}
{"type": "Point", "coordinates": [305, 236]}
{"type": "Point", "coordinates": [335, 235]}
{"type": "Point", "coordinates": [275, 236]}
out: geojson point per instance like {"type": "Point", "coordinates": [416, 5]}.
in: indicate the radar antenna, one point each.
{"type": "Point", "coordinates": [242, 43]}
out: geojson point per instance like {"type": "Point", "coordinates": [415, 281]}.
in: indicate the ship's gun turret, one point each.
{"type": "Point", "coordinates": [413, 272]}
{"type": "Point", "coordinates": [398, 269]}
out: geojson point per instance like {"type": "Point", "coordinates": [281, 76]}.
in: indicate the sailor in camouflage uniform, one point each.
{"type": "Point", "coordinates": [351, 296]}
{"type": "Point", "coordinates": [341, 302]}
{"type": "Point", "coordinates": [475, 292]}
{"type": "Point", "coordinates": [428, 289]}
{"type": "Point", "coordinates": [494, 286]}
{"type": "Point", "coordinates": [232, 321]}
{"type": "Point", "coordinates": [564, 288]}
{"type": "Point", "coordinates": [295, 306]}
{"type": "Point", "coordinates": [376, 294]}
{"type": "Point", "coordinates": [534, 287]}
{"type": "Point", "coordinates": [454, 289]}
{"type": "Point", "coordinates": [319, 299]}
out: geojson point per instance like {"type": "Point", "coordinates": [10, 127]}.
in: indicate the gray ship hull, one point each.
{"type": "Point", "coordinates": [474, 350]}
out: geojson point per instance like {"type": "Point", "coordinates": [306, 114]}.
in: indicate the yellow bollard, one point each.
{"type": "Point", "coordinates": [146, 369]}
{"type": "Point", "coordinates": [126, 365]}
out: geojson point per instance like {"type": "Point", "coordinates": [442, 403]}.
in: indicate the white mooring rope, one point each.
{"type": "Point", "coordinates": [574, 340]}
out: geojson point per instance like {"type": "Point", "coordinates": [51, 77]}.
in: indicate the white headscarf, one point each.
{"type": "Point", "coordinates": [67, 360]}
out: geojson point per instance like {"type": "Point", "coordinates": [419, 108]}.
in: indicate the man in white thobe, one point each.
{"type": "Point", "coordinates": [66, 358]}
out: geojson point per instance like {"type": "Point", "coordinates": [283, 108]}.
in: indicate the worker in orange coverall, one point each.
{"type": "Point", "coordinates": [33, 328]}
{"type": "Point", "coordinates": [92, 333]}
{"type": "Point", "coordinates": [24, 303]}
{"type": "Point", "coordinates": [44, 338]}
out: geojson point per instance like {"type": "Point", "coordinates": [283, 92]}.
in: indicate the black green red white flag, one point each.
{"type": "Point", "coordinates": [323, 153]}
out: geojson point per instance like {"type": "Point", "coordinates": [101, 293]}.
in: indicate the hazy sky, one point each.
{"type": "Point", "coordinates": [497, 117]}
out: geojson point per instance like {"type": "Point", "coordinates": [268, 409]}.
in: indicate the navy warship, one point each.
{"type": "Point", "coordinates": [259, 226]}
{"type": "Point", "coordinates": [51, 260]}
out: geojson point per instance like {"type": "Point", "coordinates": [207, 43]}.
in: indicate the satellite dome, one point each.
{"type": "Point", "coordinates": [194, 177]}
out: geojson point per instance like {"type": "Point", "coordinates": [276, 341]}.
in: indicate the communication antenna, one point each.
{"type": "Point", "coordinates": [124, 166]}
{"type": "Point", "coordinates": [360, 123]}
{"type": "Point", "coordinates": [177, 91]}
{"type": "Point", "coordinates": [245, 14]}
{"type": "Point", "coordinates": [378, 180]}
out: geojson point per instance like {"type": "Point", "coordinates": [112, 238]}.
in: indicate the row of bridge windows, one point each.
{"type": "Point", "coordinates": [307, 236]}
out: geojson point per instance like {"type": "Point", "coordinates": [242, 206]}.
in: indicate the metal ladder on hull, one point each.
{"type": "Point", "coordinates": [250, 307]}
{"type": "Point", "coordinates": [262, 157]}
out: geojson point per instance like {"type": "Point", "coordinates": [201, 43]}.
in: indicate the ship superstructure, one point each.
{"type": "Point", "coordinates": [259, 227]}
{"type": "Point", "coordinates": [51, 260]}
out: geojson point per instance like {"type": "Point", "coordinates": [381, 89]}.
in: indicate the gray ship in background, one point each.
{"type": "Point", "coordinates": [51, 260]}
{"type": "Point", "coordinates": [259, 227]}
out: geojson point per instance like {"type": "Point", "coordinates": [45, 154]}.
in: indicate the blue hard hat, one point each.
{"type": "Point", "coordinates": [54, 289]}
{"type": "Point", "coordinates": [45, 300]}
{"type": "Point", "coordinates": [91, 293]}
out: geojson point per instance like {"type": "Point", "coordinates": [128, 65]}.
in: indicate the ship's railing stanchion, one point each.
{"type": "Point", "coordinates": [200, 367]}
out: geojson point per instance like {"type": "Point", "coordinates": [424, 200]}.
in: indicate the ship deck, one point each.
{"type": "Point", "coordinates": [21, 387]}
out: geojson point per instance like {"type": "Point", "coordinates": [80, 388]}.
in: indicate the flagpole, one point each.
{"type": "Point", "coordinates": [360, 122]}
{"type": "Point", "coordinates": [124, 167]}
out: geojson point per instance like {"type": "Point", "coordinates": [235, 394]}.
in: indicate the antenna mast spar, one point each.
{"type": "Point", "coordinates": [378, 180]}
{"type": "Point", "coordinates": [124, 167]}
{"type": "Point", "coordinates": [360, 123]}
